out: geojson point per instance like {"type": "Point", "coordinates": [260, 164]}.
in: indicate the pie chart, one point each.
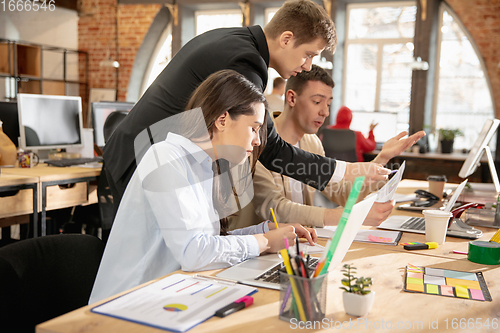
{"type": "Point", "coordinates": [175, 307]}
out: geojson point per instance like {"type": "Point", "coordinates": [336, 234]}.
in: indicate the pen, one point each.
{"type": "Point", "coordinates": [393, 171]}
{"type": "Point", "coordinates": [424, 246]}
{"type": "Point", "coordinates": [274, 218]}
{"type": "Point", "coordinates": [459, 252]}
{"type": "Point", "coordinates": [237, 305]}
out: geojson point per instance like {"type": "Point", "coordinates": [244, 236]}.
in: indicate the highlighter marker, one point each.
{"type": "Point", "coordinates": [424, 246]}
{"type": "Point", "coordinates": [237, 305]}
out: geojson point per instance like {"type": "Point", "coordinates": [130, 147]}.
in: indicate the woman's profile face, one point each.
{"type": "Point", "coordinates": [240, 135]}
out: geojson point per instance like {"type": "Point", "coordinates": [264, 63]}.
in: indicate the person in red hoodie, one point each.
{"type": "Point", "coordinates": [363, 145]}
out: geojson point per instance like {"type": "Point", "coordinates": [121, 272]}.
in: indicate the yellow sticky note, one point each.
{"type": "Point", "coordinates": [432, 289]}
{"type": "Point", "coordinates": [410, 280]}
{"type": "Point", "coordinates": [461, 291]}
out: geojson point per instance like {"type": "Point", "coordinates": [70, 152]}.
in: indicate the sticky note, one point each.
{"type": "Point", "coordinates": [464, 283]}
{"type": "Point", "coordinates": [434, 279]}
{"type": "Point", "coordinates": [415, 275]}
{"type": "Point", "coordinates": [414, 269]}
{"type": "Point", "coordinates": [447, 291]}
{"type": "Point", "coordinates": [410, 280]}
{"type": "Point", "coordinates": [460, 275]}
{"type": "Point", "coordinates": [462, 292]}
{"type": "Point", "coordinates": [432, 289]}
{"type": "Point", "coordinates": [477, 294]}
{"type": "Point", "coordinates": [415, 287]}
{"type": "Point", "coordinates": [434, 271]}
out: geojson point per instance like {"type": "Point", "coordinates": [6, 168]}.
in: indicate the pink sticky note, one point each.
{"type": "Point", "coordinates": [477, 294]}
{"type": "Point", "coordinates": [379, 239]}
{"type": "Point", "coordinates": [447, 291]}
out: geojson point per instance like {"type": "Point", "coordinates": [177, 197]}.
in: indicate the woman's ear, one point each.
{"type": "Point", "coordinates": [286, 38]}
{"type": "Point", "coordinates": [221, 122]}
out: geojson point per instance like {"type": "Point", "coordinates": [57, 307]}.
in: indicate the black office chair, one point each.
{"type": "Point", "coordinates": [340, 144]}
{"type": "Point", "coordinates": [104, 195]}
{"type": "Point", "coordinates": [45, 277]}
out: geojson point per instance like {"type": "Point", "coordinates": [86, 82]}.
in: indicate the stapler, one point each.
{"type": "Point", "coordinates": [457, 228]}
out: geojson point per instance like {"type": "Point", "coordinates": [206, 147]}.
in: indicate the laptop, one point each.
{"type": "Point", "coordinates": [263, 271]}
{"type": "Point", "coordinates": [417, 224]}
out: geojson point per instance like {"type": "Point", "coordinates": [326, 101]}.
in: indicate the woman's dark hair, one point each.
{"type": "Point", "coordinates": [225, 91]}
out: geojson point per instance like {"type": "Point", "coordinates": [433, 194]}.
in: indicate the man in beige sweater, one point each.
{"type": "Point", "coordinates": [308, 96]}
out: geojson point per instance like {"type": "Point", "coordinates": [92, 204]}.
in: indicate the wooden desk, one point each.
{"type": "Point", "coordinates": [392, 305]}
{"type": "Point", "coordinates": [59, 188]}
{"type": "Point", "coordinates": [16, 199]}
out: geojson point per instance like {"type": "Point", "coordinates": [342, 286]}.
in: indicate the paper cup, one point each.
{"type": "Point", "coordinates": [436, 225]}
{"type": "Point", "coordinates": [436, 185]}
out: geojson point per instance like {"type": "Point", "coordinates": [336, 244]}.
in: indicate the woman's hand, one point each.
{"type": "Point", "coordinates": [301, 231]}
{"type": "Point", "coordinates": [379, 213]}
{"type": "Point", "coordinates": [276, 238]}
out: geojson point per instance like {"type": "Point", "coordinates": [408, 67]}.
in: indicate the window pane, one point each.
{"type": "Point", "coordinates": [382, 22]}
{"type": "Point", "coordinates": [396, 78]}
{"type": "Point", "coordinates": [221, 19]}
{"type": "Point", "coordinates": [464, 98]}
{"type": "Point", "coordinates": [361, 77]}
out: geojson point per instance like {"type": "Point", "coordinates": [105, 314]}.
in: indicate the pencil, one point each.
{"type": "Point", "coordinates": [274, 218]}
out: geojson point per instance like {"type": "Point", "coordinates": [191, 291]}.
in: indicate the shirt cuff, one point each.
{"type": "Point", "coordinates": [339, 172]}
{"type": "Point", "coordinates": [253, 247]}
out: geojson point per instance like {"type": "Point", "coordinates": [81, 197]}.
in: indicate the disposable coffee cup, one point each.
{"type": "Point", "coordinates": [436, 185]}
{"type": "Point", "coordinates": [436, 225]}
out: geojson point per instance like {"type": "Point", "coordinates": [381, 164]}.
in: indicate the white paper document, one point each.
{"type": "Point", "coordinates": [176, 303]}
{"type": "Point", "coordinates": [387, 192]}
{"type": "Point", "coordinates": [365, 235]}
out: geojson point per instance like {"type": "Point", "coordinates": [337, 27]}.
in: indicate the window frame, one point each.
{"type": "Point", "coordinates": [380, 43]}
{"type": "Point", "coordinates": [214, 12]}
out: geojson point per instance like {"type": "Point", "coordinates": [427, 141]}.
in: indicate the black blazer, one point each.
{"type": "Point", "coordinates": [241, 49]}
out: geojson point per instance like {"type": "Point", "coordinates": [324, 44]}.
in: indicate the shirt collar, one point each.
{"type": "Point", "coordinates": [261, 41]}
{"type": "Point", "coordinates": [191, 148]}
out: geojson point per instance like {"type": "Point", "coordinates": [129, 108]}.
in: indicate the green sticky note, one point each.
{"type": "Point", "coordinates": [461, 292]}
{"type": "Point", "coordinates": [411, 280]}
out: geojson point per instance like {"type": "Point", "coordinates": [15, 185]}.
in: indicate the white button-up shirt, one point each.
{"type": "Point", "coordinates": [166, 221]}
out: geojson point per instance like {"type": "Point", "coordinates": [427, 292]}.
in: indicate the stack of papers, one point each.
{"type": "Point", "coordinates": [366, 236]}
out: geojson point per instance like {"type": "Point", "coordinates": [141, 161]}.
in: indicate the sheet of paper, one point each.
{"type": "Point", "coordinates": [362, 235]}
{"type": "Point", "coordinates": [177, 302]}
{"type": "Point", "coordinates": [306, 249]}
{"type": "Point", "coordinates": [356, 218]}
{"type": "Point", "coordinates": [387, 192]}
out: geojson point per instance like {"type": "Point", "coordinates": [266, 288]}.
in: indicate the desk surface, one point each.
{"type": "Point", "coordinates": [7, 179]}
{"type": "Point", "coordinates": [392, 308]}
{"type": "Point", "coordinates": [50, 173]}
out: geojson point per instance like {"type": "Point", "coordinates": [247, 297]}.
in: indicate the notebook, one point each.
{"type": "Point", "coordinates": [417, 224]}
{"type": "Point", "coordinates": [251, 271]}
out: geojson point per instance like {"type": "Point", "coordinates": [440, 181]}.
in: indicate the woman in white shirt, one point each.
{"type": "Point", "coordinates": [173, 213]}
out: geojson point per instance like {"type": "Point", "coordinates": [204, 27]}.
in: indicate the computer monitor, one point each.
{"type": "Point", "coordinates": [10, 119]}
{"type": "Point", "coordinates": [481, 146]}
{"type": "Point", "coordinates": [49, 122]}
{"type": "Point", "coordinates": [100, 112]}
{"type": "Point", "coordinates": [386, 128]}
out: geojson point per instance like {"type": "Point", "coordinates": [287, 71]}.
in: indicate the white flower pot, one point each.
{"type": "Point", "coordinates": [358, 305]}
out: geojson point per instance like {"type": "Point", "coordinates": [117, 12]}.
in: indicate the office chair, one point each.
{"type": "Point", "coordinates": [45, 277]}
{"type": "Point", "coordinates": [340, 144]}
{"type": "Point", "coordinates": [105, 197]}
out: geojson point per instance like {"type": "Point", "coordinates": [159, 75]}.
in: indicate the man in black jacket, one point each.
{"type": "Point", "coordinates": [299, 31]}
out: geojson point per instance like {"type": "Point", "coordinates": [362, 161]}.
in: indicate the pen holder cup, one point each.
{"type": "Point", "coordinates": [302, 298]}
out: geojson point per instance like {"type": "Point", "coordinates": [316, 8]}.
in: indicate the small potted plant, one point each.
{"type": "Point", "coordinates": [358, 300]}
{"type": "Point", "coordinates": [447, 137]}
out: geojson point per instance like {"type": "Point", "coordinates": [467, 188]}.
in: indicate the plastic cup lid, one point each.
{"type": "Point", "coordinates": [436, 213]}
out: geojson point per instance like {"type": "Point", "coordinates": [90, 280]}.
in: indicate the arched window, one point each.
{"type": "Point", "coordinates": [212, 19]}
{"type": "Point", "coordinates": [464, 99]}
{"type": "Point", "coordinates": [160, 58]}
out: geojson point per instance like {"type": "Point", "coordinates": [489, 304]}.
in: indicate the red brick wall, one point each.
{"type": "Point", "coordinates": [96, 35]}
{"type": "Point", "coordinates": [482, 20]}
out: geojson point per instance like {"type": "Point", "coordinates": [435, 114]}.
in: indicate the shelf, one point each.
{"type": "Point", "coordinates": [4, 59]}
{"type": "Point", "coordinates": [53, 87]}
{"type": "Point", "coordinates": [29, 87]}
{"type": "Point", "coordinates": [29, 60]}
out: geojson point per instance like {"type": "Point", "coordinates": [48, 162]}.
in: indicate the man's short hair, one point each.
{"type": "Point", "coordinates": [278, 82]}
{"type": "Point", "coordinates": [298, 82]}
{"type": "Point", "coordinates": [307, 20]}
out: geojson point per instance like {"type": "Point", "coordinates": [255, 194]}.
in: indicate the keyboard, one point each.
{"type": "Point", "coordinates": [414, 223]}
{"type": "Point", "coordinates": [73, 161]}
{"type": "Point", "coordinates": [272, 275]}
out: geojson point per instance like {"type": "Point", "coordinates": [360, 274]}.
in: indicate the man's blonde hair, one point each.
{"type": "Point", "coordinates": [307, 20]}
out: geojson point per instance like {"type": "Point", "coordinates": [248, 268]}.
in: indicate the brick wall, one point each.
{"type": "Point", "coordinates": [97, 36]}
{"type": "Point", "coordinates": [482, 20]}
